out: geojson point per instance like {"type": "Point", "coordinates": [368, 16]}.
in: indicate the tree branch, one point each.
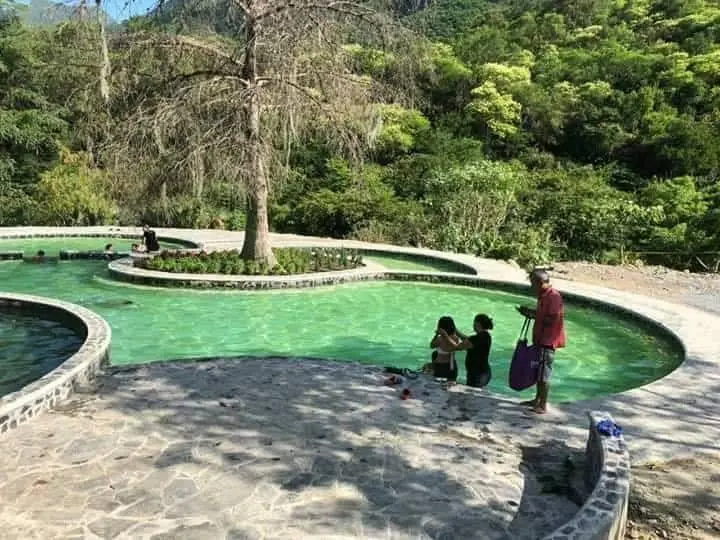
{"type": "Point", "coordinates": [175, 41]}
{"type": "Point", "coordinates": [339, 6]}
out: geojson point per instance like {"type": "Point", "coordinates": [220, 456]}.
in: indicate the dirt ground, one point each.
{"type": "Point", "coordinates": [699, 290]}
{"type": "Point", "coordinates": [677, 500]}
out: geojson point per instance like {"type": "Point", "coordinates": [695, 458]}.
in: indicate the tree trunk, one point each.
{"type": "Point", "coordinates": [164, 202]}
{"type": "Point", "coordinates": [256, 245]}
{"type": "Point", "coordinates": [198, 175]}
{"type": "Point", "coordinates": [105, 62]}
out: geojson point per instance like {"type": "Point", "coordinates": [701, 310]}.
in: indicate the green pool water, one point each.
{"type": "Point", "coordinates": [53, 245]}
{"type": "Point", "coordinates": [394, 262]}
{"type": "Point", "coordinates": [30, 347]}
{"type": "Point", "coordinates": [382, 323]}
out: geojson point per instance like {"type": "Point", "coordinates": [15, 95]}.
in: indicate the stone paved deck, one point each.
{"type": "Point", "coordinates": [279, 449]}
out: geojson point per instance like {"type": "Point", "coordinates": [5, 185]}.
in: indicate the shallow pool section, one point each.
{"type": "Point", "coordinates": [381, 323]}
{"type": "Point", "coordinates": [53, 245]}
{"type": "Point", "coordinates": [31, 347]}
{"type": "Point", "coordinates": [415, 264]}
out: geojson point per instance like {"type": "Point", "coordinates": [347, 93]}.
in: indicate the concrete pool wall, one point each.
{"type": "Point", "coordinates": [81, 367]}
{"type": "Point", "coordinates": [607, 474]}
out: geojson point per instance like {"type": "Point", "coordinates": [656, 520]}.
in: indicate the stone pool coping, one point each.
{"type": "Point", "coordinates": [603, 516]}
{"type": "Point", "coordinates": [43, 393]}
{"type": "Point", "coordinates": [123, 270]}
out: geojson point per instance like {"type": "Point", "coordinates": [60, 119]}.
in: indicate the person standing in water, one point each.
{"type": "Point", "coordinates": [477, 359]}
{"type": "Point", "coordinates": [150, 239]}
{"type": "Point", "coordinates": [548, 333]}
{"type": "Point", "coordinates": [444, 341]}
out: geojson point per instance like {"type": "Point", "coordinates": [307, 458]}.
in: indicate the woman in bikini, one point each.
{"type": "Point", "coordinates": [444, 341]}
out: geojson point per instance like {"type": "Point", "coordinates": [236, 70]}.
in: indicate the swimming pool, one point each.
{"type": "Point", "coordinates": [53, 245]}
{"type": "Point", "coordinates": [30, 347]}
{"type": "Point", "coordinates": [381, 323]}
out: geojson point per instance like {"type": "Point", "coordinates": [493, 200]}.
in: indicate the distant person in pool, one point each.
{"type": "Point", "coordinates": [477, 359]}
{"type": "Point", "coordinates": [150, 239]}
{"type": "Point", "coordinates": [39, 256]}
{"type": "Point", "coordinates": [109, 251]}
{"type": "Point", "coordinates": [548, 333]}
{"type": "Point", "coordinates": [137, 248]}
{"type": "Point", "coordinates": [444, 341]}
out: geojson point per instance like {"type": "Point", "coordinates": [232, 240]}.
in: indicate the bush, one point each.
{"type": "Point", "coordinates": [289, 261]}
{"type": "Point", "coordinates": [73, 193]}
{"type": "Point", "coordinates": [181, 212]}
{"type": "Point", "coordinates": [470, 206]}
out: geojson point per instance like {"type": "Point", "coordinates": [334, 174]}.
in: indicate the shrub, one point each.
{"type": "Point", "coordinates": [73, 193]}
{"type": "Point", "coordinates": [289, 261]}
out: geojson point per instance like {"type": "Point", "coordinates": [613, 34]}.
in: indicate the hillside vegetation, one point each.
{"type": "Point", "coordinates": [534, 130]}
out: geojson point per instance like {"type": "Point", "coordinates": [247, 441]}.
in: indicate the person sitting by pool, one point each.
{"type": "Point", "coordinates": [444, 341]}
{"type": "Point", "coordinates": [150, 239]}
{"type": "Point", "coordinates": [477, 359]}
{"type": "Point", "coordinates": [137, 248]}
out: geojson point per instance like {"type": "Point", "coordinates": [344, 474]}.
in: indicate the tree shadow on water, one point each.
{"type": "Point", "coordinates": [293, 449]}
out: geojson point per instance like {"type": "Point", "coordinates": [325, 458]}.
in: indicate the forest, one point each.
{"type": "Point", "coordinates": [532, 130]}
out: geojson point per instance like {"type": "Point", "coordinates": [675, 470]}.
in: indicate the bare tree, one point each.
{"type": "Point", "coordinates": [288, 74]}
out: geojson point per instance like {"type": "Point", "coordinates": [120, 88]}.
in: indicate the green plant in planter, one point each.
{"type": "Point", "coordinates": [290, 261]}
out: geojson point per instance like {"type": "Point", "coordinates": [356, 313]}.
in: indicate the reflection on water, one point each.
{"type": "Point", "coordinates": [30, 347]}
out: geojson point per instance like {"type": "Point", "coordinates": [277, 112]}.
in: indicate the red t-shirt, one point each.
{"type": "Point", "coordinates": [550, 303]}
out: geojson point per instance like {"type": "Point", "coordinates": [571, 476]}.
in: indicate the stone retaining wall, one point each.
{"type": "Point", "coordinates": [44, 393]}
{"type": "Point", "coordinates": [607, 473]}
{"type": "Point", "coordinates": [125, 271]}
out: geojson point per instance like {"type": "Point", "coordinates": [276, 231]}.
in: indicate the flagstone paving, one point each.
{"type": "Point", "coordinates": [280, 449]}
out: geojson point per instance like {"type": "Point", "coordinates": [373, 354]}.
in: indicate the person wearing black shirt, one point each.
{"type": "Point", "coordinates": [150, 239]}
{"type": "Point", "coordinates": [477, 359]}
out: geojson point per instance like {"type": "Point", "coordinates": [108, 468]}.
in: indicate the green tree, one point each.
{"type": "Point", "coordinates": [471, 205]}
{"type": "Point", "coordinates": [73, 193]}
{"type": "Point", "coordinates": [30, 125]}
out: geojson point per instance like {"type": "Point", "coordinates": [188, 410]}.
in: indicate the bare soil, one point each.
{"type": "Point", "coordinates": [698, 290]}
{"type": "Point", "coordinates": [680, 499]}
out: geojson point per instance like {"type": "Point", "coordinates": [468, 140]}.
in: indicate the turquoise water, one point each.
{"type": "Point", "coordinates": [30, 347]}
{"type": "Point", "coordinates": [53, 245]}
{"type": "Point", "coordinates": [381, 323]}
{"type": "Point", "coordinates": [406, 263]}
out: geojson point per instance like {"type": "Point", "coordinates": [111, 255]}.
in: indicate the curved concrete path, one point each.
{"type": "Point", "coordinates": [677, 415]}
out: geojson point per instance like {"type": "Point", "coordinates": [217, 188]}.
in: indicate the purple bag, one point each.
{"type": "Point", "coordinates": [525, 362]}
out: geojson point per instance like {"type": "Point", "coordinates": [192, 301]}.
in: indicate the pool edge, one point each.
{"type": "Point", "coordinates": [44, 393]}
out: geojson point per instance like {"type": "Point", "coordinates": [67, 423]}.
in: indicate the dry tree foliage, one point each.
{"type": "Point", "coordinates": [233, 109]}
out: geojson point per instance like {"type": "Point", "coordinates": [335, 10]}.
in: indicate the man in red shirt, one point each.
{"type": "Point", "coordinates": [548, 333]}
